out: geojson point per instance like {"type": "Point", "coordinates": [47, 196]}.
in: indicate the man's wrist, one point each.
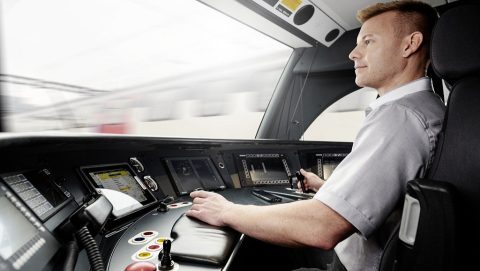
{"type": "Point", "coordinates": [226, 214]}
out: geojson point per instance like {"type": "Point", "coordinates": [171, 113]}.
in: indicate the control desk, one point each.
{"type": "Point", "coordinates": [118, 203]}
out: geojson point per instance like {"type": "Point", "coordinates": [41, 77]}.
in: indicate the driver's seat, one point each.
{"type": "Point", "coordinates": [440, 228]}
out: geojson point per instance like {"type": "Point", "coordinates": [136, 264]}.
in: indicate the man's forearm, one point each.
{"type": "Point", "coordinates": [295, 224]}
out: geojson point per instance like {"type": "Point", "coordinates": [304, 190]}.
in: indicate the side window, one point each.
{"type": "Point", "coordinates": [342, 120]}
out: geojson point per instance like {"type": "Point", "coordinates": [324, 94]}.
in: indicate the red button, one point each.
{"type": "Point", "coordinates": [153, 247]}
{"type": "Point", "coordinates": [141, 266]}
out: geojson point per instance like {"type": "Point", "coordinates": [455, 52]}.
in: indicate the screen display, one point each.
{"type": "Point", "coordinates": [258, 169]}
{"type": "Point", "coordinates": [121, 180]}
{"type": "Point", "coordinates": [12, 221]}
{"type": "Point", "coordinates": [325, 163]}
{"type": "Point", "coordinates": [265, 169]}
{"type": "Point", "coordinates": [206, 174]}
{"type": "Point", "coordinates": [192, 173]}
{"type": "Point", "coordinates": [41, 198]}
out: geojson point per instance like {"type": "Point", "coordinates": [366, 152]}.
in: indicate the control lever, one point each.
{"type": "Point", "coordinates": [301, 179]}
{"type": "Point", "coordinates": [292, 180]}
{"type": "Point", "coordinates": [162, 206]}
{"type": "Point", "coordinates": [165, 257]}
{"type": "Point", "coordinates": [93, 215]}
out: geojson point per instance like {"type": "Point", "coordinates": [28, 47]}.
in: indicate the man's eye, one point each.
{"type": "Point", "coordinates": [367, 42]}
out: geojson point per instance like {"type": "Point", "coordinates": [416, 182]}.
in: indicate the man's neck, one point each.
{"type": "Point", "coordinates": [412, 71]}
{"type": "Point", "coordinates": [398, 83]}
{"type": "Point", "coordinates": [383, 91]}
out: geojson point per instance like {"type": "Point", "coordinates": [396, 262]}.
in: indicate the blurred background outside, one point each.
{"type": "Point", "coordinates": [146, 67]}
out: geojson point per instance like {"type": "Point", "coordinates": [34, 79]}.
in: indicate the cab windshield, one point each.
{"type": "Point", "coordinates": [145, 67]}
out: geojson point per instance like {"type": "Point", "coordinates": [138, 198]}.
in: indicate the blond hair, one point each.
{"type": "Point", "coordinates": [412, 16]}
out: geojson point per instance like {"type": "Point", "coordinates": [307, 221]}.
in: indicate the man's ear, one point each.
{"type": "Point", "coordinates": [412, 43]}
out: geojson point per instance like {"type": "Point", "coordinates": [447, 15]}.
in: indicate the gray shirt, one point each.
{"type": "Point", "coordinates": [395, 144]}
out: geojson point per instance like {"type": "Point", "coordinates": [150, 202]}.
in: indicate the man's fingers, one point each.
{"type": "Point", "coordinates": [194, 207]}
{"type": "Point", "coordinates": [192, 212]}
{"type": "Point", "coordinates": [307, 174]}
{"type": "Point", "coordinates": [200, 194]}
{"type": "Point", "coordinates": [198, 200]}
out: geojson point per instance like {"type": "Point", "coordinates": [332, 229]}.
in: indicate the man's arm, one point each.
{"type": "Point", "coordinates": [300, 223]}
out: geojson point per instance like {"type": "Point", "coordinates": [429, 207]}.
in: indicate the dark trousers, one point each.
{"type": "Point", "coordinates": [336, 265]}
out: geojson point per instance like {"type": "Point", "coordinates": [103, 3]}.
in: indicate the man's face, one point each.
{"type": "Point", "coordinates": [377, 56]}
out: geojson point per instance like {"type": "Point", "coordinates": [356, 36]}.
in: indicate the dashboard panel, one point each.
{"type": "Point", "coordinates": [190, 173]}
{"type": "Point", "coordinates": [322, 162]}
{"type": "Point", "coordinates": [46, 181]}
{"type": "Point", "coordinates": [263, 169]}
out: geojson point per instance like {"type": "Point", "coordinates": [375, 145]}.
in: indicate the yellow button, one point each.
{"type": "Point", "coordinates": [160, 240]}
{"type": "Point", "coordinates": [144, 255]}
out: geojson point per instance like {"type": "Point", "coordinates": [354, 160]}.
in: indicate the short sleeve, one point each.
{"type": "Point", "coordinates": [391, 148]}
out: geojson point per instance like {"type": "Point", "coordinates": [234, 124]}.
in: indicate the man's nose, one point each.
{"type": "Point", "coordinates": [354, 54]}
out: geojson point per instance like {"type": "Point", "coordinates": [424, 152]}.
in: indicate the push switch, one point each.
{"type": "Point", "coordinates": [141, 266]}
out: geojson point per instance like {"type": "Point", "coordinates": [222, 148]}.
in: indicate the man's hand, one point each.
{"type": "Point", "coordinates": [209, 207]}
{"type": "Point", "coordinates": [312, 181]}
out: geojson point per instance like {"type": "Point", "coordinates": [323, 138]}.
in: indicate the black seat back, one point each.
{"type": "Point", "coordinates": [456, 58]}
{"type": "Point", "coordinates": [441, 217]}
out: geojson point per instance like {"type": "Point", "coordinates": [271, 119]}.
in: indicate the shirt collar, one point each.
{"type": "Point", "coordinates": [421, 84]}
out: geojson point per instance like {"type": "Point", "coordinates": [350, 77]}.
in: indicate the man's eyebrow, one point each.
{"type": "Point", "coordinates": [366, 36]}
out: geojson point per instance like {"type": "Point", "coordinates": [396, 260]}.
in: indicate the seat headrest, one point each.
{"type": "Point", "coordinates": [455, 46]}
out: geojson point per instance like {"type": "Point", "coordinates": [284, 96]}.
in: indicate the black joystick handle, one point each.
{"type": "Point", "coordinates": [166, 262]}
{"type": "Point", "coordinates": [292, 180]}
{"type": "Point", "coordinates": [301, 179]}
{"type": "Point", "coordinates": [162, 207]}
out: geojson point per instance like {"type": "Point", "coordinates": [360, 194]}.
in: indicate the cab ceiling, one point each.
{"type": "Point", "coordinates": [298, 23]}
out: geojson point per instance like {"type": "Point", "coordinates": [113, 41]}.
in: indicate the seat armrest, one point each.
{"type": "Point", "coordinates": [427, 232]}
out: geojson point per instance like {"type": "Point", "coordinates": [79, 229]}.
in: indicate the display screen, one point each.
{"type": "Point", "coordinates": [258, 169]}
{"type": "Point", "coordinates": [110, 179]}
{"type": "Point", "coordinates": [119, 179]}
{"type": "Point", "coordinates": [325, 163]}
{"type": "Point", "coordinates": [36, 190]}
{"type": "Point", "coordinates": [13, 222]}
{"type": "Point", "coordinates": [192, 173]}
{"type": "Point", "coordinates": [265, 169]}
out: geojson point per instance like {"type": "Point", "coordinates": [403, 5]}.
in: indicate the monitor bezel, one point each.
{"type": "Point", "coordinates": [177, 179]}
{"type": "Point", "coordinates": [34, 173]}
{"type": "Point", "coordinates": [247, 181]}
{"type": "Point", "coordinates": [92, 185]}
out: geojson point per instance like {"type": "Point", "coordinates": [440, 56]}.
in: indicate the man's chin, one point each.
{"type": "Point", "coordinates": [359, 82]}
